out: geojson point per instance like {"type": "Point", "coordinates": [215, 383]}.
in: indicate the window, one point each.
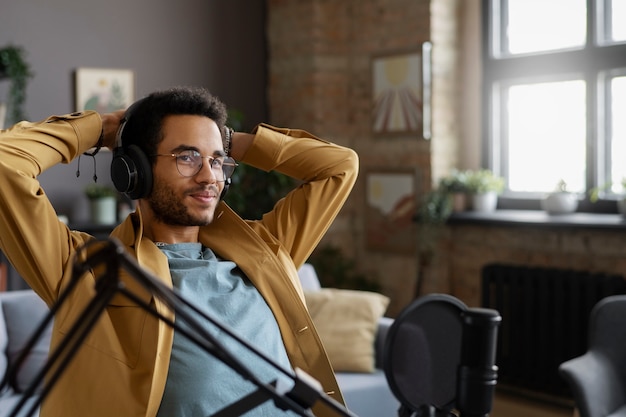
{"type": "Point", "coordinates": [555, 94]}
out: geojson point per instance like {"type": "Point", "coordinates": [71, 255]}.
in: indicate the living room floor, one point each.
{"type": "Point", "coordinates": [514, 405]}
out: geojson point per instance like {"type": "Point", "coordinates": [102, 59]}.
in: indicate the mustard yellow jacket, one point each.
{"type": "Point", "coordinates": [120, 370]}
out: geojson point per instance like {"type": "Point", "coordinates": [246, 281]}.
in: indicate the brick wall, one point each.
{"type": "Point", "coordinates": [469, 247]}
{"type": "Point", "coordinates": [320, 54]}
{"type": "Point", "coordinates": [320, 79]}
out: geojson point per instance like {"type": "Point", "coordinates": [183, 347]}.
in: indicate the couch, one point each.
{"type": "Point", "coordinates": [364, 385]}
{"type": "Point", "coordinates": [359, 371]}
{"type": "Point", "coordinates": [20, 314]}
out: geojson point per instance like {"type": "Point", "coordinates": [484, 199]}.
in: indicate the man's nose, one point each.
{"type": "Point", "coordinates": [206, 173]}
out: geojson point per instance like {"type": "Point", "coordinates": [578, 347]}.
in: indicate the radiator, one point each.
{"type": "Point", "coordinates": [545, 314]}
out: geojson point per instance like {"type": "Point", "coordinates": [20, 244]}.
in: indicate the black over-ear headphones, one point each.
{"type": "Point", "coordinates": [131, 170]}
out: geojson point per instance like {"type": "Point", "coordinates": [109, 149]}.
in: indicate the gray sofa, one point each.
{"type": "Point", "coordinates": [367, 394]}
{"type": "Point", "coordinates": [20, 314]}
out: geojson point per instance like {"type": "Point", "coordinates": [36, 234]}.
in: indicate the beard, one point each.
{"type": "Point", "coordinates": [168, 208]}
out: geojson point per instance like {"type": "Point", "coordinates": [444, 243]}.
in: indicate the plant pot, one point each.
{"type": "Point", "coordinates": [459, 202]}
{"type": "Point", "coordinates": [560, 203]}
{"type": "Point", "coordinates": [485, 202]}
{"type": "Point", "coordinates": [103, 210]}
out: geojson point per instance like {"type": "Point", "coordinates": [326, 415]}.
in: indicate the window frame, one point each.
{"type": "Point", "coordinates": [595, 63]}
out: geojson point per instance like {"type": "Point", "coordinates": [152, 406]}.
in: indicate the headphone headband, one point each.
{"type": "Point", "coordinates": [127, 114]}
{"type": "Point", "coordinates": [131, 170]}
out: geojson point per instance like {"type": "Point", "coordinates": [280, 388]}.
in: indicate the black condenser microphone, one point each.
{"type": "Point", "coordinates": [477, 373]}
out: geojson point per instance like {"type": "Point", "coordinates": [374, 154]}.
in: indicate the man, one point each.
{"type": "Point", "coordinates": [170, 155]}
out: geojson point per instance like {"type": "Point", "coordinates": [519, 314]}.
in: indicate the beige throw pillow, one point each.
{"type": "Point", "coordinates": [347, 321]}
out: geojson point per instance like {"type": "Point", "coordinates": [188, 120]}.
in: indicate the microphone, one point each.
{"type": "Point", "coordinates": [477, 373]}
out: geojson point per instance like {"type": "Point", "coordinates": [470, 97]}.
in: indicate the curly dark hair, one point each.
{"type": "Point", "coordinates": [145, 117]}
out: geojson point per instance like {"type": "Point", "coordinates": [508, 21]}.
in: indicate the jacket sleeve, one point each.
{"type": "Point", "coordinates": [327, 173]}
{"type": "Point", "coordinates": [37, 244]}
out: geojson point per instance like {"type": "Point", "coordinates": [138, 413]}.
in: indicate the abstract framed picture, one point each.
{"type": "Point", "coordinates": [401, 91]}
{"type": "Point", "coordinates": [391, 205]}
{"type": "Point", "coordinates": [103, 89]}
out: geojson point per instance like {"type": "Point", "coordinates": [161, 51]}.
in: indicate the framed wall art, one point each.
{"type": "Point", "coordinates": [391, 205]}
{"type": "Point", "coordinates": [103, 89]}
{"type": "Point", "coordinates": [401, 93]}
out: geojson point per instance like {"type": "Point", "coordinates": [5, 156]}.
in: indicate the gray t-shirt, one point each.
{"type": "Point", "coordinates": [198, 384]}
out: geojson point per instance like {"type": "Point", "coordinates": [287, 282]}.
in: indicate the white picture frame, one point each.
{"type": "Point", "coordinates": [104, 89]}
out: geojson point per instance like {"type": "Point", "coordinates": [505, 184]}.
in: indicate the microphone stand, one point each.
{"type": "Point", "coordinates": [298, 397]}
{"type": "Point", "coordinates": [69, 345]}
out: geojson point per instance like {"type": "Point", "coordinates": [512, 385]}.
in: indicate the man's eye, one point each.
{"type": "Point", "coordinates": [217, 163]}
{"type": "Point", "coordinates": [186, 158]}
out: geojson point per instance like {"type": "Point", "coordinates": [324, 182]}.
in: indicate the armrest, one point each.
{"type": "Point", "coordinates": [384, 323]}
{"type": "Point", "coordinates": [595, 383]}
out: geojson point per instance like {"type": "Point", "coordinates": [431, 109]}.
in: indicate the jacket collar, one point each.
{"type": "Point", "coordinates": [248, 249]}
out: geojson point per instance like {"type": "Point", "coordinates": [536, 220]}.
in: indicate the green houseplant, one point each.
{"type": "Point", "coordinates": [456, 182]}
{"type": "Point", "coordinates": [254, 192]}
{"type": "Point", "coordinates": [483, 181]}
{"type": "Point", "coordinates": [103, 203]}
{"type": "Point", "coordinates": [335, 270]}
{"type": "Point", "coordinates": [432, 214]}
{"type": "Point", "coordinates": [13, 66]}
{"type": "Point", "coordinates": [618, 189]}
{"type": "Point", "coordinates": [455, 185]}
{"type": "Point", "coordinates": [484, 187]}
{"type": "Point", "coordinates": [96, 191]}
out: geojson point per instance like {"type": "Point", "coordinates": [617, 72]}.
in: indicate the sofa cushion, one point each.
{"type": "Point", "coordinates": [369, 394]}
{"type": "Point", "coordinates": [9, 402]}
{"type": "Point", "coordinates": [308, 278]}
{"type": "Point", "coordinates": [23, 312]}
{"type": "Point", "coordinates": [347, 321]}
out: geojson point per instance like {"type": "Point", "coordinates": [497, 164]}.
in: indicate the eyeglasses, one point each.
{"type": "Point", "coordinates": [189, 163]}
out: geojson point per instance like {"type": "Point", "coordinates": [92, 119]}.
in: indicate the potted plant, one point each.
{"type": "Point", "coordinates": [560, 201]}
{"type": "Point", "coordinates": [256, 190]}
{"type": "Point", "coordinates": [619, 190]}
{"type": "Point", "coordinates": [455, 185]}
{"type": "Point", "coordinates": [335, 270]}
{"type": "Point", "coordinates": [14, 67]}
{"type": "Point", "coordinates": [431, 217]}
{"type": "Point", "coordinates": [484, 187]}
{"type": "Point", "coordinates": [103, 203]}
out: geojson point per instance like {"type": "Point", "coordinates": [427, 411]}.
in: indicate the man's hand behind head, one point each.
{"type": "Point", "coordinates": [110, 124]}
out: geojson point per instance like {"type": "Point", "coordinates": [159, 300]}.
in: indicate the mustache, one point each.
{"type": "Point", "coordinates": [202, 189]}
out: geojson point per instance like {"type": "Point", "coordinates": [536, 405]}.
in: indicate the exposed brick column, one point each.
{"type": "Point", "coordinates": [320, 79]}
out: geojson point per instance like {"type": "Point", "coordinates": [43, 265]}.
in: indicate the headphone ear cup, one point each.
{"type": "Point", "coordinates": [143, 185]}
{"type": "Point", "coordinates": [131, 172]}
{"type": "Point", "coordinates": [225, 189]}
{"type": "Point", "coordinates": [121, 170]}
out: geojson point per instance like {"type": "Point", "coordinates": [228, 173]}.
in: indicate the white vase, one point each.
{"type": "Point", "coordinates": [560, 203]}
{"type": "Point", "coordinates": [485, 202]}
{"type": "Point", "coordinates": [103, 210]}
